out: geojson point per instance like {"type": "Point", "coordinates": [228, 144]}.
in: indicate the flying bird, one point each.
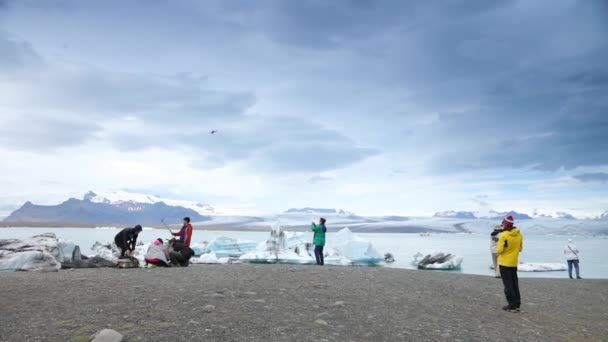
{"type": "Point", "coordinates": [214, 131]}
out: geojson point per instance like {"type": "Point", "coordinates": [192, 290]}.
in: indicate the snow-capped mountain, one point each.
{"type": "Point", "coordinates": [318, 211]}
{"type": "Point", "coordinates": [549, 214]}
{"type": "Point", "coordinates": [455, 214]}
{"type": "Point", "coordinates": [132, 201]}
{"type": "Point", "coordinates": [87, 212]}
{"type": "Point", "coordinates": [603, 216]}
{"type": "Point", "coordinates": [518, 216]}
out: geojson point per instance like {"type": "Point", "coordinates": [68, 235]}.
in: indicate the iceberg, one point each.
{"type": "Point", "coordinates": [227, 247]}
{"type": "Point", "coordinates": [67, 250]}
{"type": "Point", "coordinates": [210, 258]}
{"type": "Point", "coordinates": [37, 253]}
{"type": "Point", "coordinates": [28, 261]}
{"type": "Point", "coordinates": [541, 267]}
{"type": "Point", "coordinates": [294, 248]}
{"type": "Point", "coordinates": [437, 261]}
{"type": "Point", "coordinates": [111, 252]}
{"type": "Point", "coordinates": [274, 250]}
{"type": "Point", "coordinates": [356, 249]}
{"type": "Point", "coordinates": [107, 251]}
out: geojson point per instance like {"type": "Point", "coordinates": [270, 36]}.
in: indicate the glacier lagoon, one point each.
{"type": "Point", "coordinates": [473, 248]}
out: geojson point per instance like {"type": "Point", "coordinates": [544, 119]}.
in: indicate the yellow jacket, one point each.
{"type": "Point", "coordinates": [510, 244]}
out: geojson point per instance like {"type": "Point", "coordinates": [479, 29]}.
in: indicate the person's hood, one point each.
{"type": "Point", "coordinates": [513, 232]}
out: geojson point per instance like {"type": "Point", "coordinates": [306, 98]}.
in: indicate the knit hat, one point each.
{"type": "Point", "coordinates": [508, 222]}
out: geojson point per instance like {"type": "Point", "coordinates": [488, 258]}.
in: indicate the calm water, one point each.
{"type": "Point", "coordinates": [473, 247]}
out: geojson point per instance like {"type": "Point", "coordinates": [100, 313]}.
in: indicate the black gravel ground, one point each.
{"type": "Point", "coordinates": [295, 303]}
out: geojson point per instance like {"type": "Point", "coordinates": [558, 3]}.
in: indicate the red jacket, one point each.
{"type": "Point", "coordinates": [185, 234]}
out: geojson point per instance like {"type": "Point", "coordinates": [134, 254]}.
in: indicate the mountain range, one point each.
{"type": "Point", "coordinates": [103, 212]}
{"type": "Point", "coordinates": [124, 207]}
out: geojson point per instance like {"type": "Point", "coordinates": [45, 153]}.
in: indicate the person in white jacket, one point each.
{"type": "Point", "coordinates": [493, 240]}
{"type": "Point", "coordinates": [571, 253]}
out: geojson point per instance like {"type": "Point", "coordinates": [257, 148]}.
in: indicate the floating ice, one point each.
{"type": "Point", "coordinates": [437, 261]}
{"type": "Point", "coordinates": [358, 250]}
{"type": "Point", "coordinates": [227, 247]}
{"type": "Point", "coordinates": [210, 258]}
{"type": "Point", "coordinates": [541, 267]}
{"type": "Point", "coordinates": [294, 248]}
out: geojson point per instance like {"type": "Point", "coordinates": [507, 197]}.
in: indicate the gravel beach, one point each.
{"type": "Point", "coordinates": [295, 303]}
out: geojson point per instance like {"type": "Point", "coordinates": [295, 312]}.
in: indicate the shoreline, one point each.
{"type": "Point", "coordinates": [241, 228]}
{"type": "Point", "coordinates": [286, 302]}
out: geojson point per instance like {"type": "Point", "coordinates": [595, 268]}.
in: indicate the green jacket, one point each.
{"type": "Point", "coordinates": [319, 238]}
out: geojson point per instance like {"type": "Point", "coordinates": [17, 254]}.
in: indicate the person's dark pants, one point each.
{"type": "Point", "coordinates": [575, 264]}
{"type": "Point", "coordinates": [511, 283]}
{"type": "Point", "coordinates": [178, 259]}
{"type": "Point", "coordinates": [123, 247]}
{"type": "Point", "coordinates": [319, 255]}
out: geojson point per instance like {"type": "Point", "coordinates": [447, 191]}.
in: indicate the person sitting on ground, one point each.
{"type": "Point", "coordinates": [185, 233]}
{"type": "Point", "coordinates": [126, 240]}
{"type": "Point", "coordinates": [493, 241]}
{"type": "Point", "coordinates": [157, 254]}
{"type": "Point", "coordinates": [571, 253]}
{"type": "Point", "coordinates": [509, 245]}
{"type": "Point", "coordinates": [181, 254]}
{"type": "Point", "coordinates": [319, 240]}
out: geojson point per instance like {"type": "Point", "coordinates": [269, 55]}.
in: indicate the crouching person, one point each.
{"type": "Point", "coordinates": [157, 254]}
{"type": "Point", "coordinates": [181, 253]}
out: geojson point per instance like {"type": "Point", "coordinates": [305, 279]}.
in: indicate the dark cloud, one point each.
{"type": "Point", "coordinates": [269, 143]}
{"type": "Point", "coordinates": [597, 177]}
{"type": "Point", "coordinates": [314, 156]}
{"type": "Point", "coordinates": [17, 54]}
{"type": "Point", "coordinates": [484, 85]}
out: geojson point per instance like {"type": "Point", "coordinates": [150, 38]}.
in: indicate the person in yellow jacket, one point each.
{"type": "Point", "coordinates": [508, 247]}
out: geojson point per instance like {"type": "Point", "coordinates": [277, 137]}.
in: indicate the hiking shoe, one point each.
{"type": "Point", "coordinates": [509, 308]}
{"type": "Point", "coordinates": [579, 278]}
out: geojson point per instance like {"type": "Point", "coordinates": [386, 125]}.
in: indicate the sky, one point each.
{"type": "Point", "coordinates": [376, 107]}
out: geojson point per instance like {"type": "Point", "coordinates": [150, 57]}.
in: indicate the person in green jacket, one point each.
{"type": "Point", "coordinates": [319, 240]}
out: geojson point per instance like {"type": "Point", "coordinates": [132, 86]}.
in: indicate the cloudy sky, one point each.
{"type": "Point", "coordinates": [376, 107]}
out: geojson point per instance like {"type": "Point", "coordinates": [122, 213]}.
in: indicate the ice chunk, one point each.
{"type": "Point", "coordinates": [294, 248]}
{"type": "Point", "coordinates": [541, 267]}
{"type": "Point", "coordinates": [107, 251]}
{"type": "Point", "coordinates": [28, 261]}
{"type": "Point", "coordinates": [437, 261]}
{"type": "Point", "coordinates": [358, 250]}
{"type": "Point", "coordinates": [210, 258]}
{"type": "Point", "coordinates": [228, 247]}
{"type": "Point", "coordinates": [199, 248]}
{"type": "Point", "coordinates": [37, 253]}
{"type": "Point", "coordinates": [67, 250]}
{"type": "Point", "coordinates": [274, 250]}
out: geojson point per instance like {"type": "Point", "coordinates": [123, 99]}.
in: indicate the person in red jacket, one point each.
{"type": "Point", "coordinates": [185, 234]}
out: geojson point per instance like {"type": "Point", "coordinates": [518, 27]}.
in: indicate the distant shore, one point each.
{"type": "Point", "coordinates": [357, 228]}
{"type": "Point", "coordinates": [289, 303]}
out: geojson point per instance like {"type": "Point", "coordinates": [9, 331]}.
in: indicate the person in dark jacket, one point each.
{"type": "Point", "coordinates": [126, 239]}
{"type": "Point", "coordinates": [319, 240]}
{"type": "Point", "coordinates": [181, 254]}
